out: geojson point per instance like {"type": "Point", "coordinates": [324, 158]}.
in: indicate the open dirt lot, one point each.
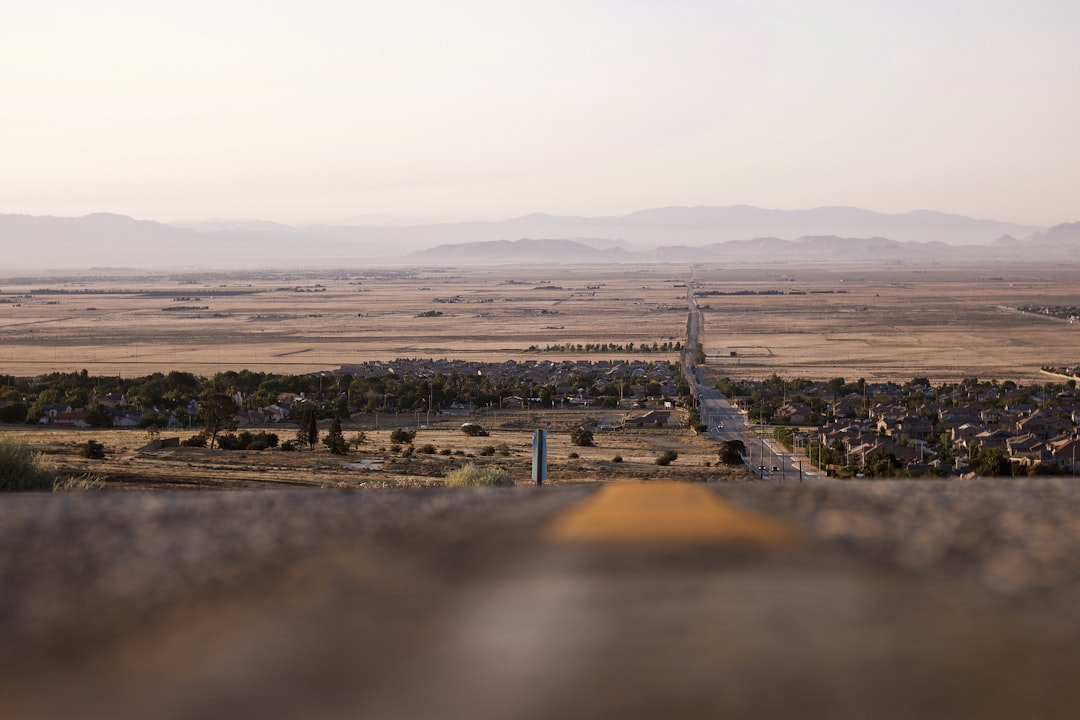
{"type": "Point", "coordinates": [887, 324]}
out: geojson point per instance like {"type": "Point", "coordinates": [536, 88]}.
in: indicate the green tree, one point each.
{"type": "Point", "coordinates": [308, 421]}
{"type": "Point", "coordinates": [335, 439]}
{"type": "Point", "coordinates": [732, 452]}
{"type": "Point", "coordinates": [97, 418]}
{"type": "Point", "coordinates": [14, 413]}
{"type": "Point", "coordinates": [153, 418]}
{"type": "Point", "coordinates": [694, 418]}
{"type": "Point", "coordinates": [882, 464]}
{"type": "Point", "coordinates": [991, 462]}
{"type": "Point", "coordinates": [217, 411]}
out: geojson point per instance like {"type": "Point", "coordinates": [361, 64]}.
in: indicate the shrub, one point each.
{"type": "Point", "coordinates": [487, 450]}
{"type": "Point", "coordinates": [247, 441]}
{"type": "Point", "coordinates": [573, 456]}
{"type": "Point", "coordinates": [263, 440]}
{"type": "Point", "coordinates": [401, 435]}
{"type": "Point", "coordinates": [408, 451]}
{"type": "Point", "coordinates": [581, 437]}
{"type": "Point", "coordinates": [667, 457]}
{"type": "Point", "coordinates": [617, 458]}
{"type": "Point", "coordinates": [473, 430]}
{"type": "Point", "coordinates": [336, 444]}
{"type": "Point", "coordinates": [471, 476]}
{"type": "Point", "coordinates": [288, 446]}
{"type": "Point", "coordinates": [229, 441]}
{"type": "Point", "coordinates": [426, 449]}
{"type": "Point", "coordinates": [445, 451]}
{"type": "Point", "coordinates": [504, 449]}
{"type": "Point", "coordinates": [198, 440]}
{"type": "Point", "coordinates": [244, 440]}
{"type": "Point", "coordinates": [358, 439]}
{"type": "Point", "coordinates": [92, 449]}
{"type": "Point", "coordinates": [23, 469]}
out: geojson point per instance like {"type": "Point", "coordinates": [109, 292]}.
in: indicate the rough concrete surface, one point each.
{"type": "Point", "coordinates": [906, 600]}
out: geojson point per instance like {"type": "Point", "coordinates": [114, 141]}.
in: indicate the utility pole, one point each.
{"type": "Point", "coordinates": [750, 455]}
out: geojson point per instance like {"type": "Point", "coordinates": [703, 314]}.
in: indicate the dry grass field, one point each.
{"type": "Point", "coordinates": [887, 324]}
{"type": "Point", "coordinates": [376, 462]}
{"type": "Point", "coordinates": [850, 321]}
{"type": "Point", "coordinates": [134, 325]}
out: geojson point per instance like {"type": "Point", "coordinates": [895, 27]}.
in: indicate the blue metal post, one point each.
{"type": "Point", "coordinates": [539, 459]}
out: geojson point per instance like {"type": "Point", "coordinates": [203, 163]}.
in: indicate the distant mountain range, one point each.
{"type": "Point", "coordinates": [675, 234]}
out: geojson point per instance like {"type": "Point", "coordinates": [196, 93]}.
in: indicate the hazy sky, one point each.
{"type": "Point", "coordinates": [326, 110]}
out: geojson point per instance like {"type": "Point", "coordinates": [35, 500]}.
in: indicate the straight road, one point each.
{"type": "Point", "coordinates": [766, 458]}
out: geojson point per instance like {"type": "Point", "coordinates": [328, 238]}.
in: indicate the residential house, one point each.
{"type": "Point", "coordinates": [1027, 449]}
{"type": "Point", "coordinates": [1065, 452]}
{"type": "Point", "coordinates": [1043, 425]}
{"type": "Point", "coordinates": [794, 413]}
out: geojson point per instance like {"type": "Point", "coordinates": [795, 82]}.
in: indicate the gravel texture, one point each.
{"type": "Point", "coordinates": [77, 564]}
{"type": "Point", "coordinates": [1013, 537]}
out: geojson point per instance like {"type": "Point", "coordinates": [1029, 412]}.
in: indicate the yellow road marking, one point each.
{"type": "Point", "coordinates": [667, 513]}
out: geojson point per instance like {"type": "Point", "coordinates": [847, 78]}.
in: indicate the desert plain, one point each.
{"type": "Point", "coordinates": [813, 321]}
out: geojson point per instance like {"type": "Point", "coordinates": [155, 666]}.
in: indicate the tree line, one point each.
{"type": "Point", "coordinates": [179, 393]}
{"type": "Point", "coordinates": [629, 347]}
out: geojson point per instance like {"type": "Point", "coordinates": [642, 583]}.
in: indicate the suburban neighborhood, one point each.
{"type": "Point", "coordinates": [888, 429]}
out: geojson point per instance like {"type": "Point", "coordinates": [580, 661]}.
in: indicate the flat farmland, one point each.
{"type": "Point", "coordinates": [286, 322]}
{"type": "Point", "coordinates": [812, 321]}
{"type": "Point", "coordinates": [887, 324]}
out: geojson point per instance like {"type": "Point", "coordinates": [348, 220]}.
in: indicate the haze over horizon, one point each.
{"type": "Point", "coordinates": [480, 110]}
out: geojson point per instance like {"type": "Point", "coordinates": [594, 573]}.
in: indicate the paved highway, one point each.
{"type": "Point", "coordinates": [766, 458]}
